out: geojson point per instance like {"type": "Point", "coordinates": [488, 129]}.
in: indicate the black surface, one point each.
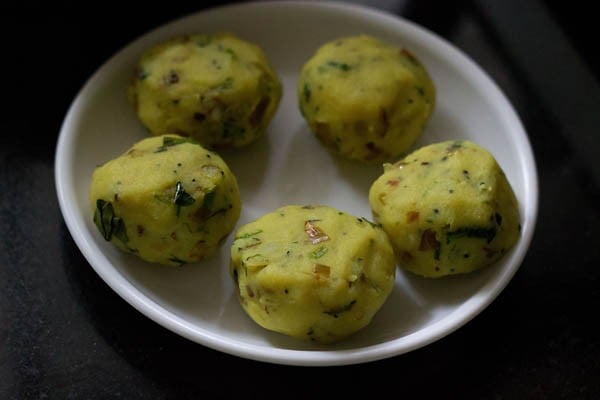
{"type": "Point", "coordinates": [65, 334]}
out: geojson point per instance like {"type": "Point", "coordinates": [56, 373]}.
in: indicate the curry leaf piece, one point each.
{"type": "Point", "coordinates": [169, 141]}
{"type": "Point", "coordinates": [118, 229]}
{"type": "Point", "coordinates": [182, 198]}
{"type": "Point", "coordinates": [103, 216]}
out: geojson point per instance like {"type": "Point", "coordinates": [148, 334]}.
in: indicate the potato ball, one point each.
{"type": "Point", "coordinates": [448, 209]}
{"type": "Point", "coordinates": [365, 99]}
{"type": "Point", "coordinates": [312, 272]}
{"type": "Point", "coordinates": [218, 89]}
{"type": "Point", "coordinates": [167, 200]}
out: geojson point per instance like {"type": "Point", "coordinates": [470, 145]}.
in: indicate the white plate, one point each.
{"type": "Point", "coordinates": [289, 166]}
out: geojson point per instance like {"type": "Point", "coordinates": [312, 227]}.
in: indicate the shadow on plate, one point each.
{"type": "Point", "coordinates": [151, 349]}
{"type": "Point", "coordinates": [307, 176]}
{"type": "Point", "coordinates": [249, 165]}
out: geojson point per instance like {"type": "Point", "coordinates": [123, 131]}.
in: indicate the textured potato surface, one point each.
{"type": "Point", "coordinates": [167, 200]}
{"type": "Point", "coordinates": [448, 209]}
{"type": "Point", "coordinates": [218, 89]}
{"type": "Point", "coordinates": [312, 272]}
{"type": "Point", "coordinates": [365, 99]}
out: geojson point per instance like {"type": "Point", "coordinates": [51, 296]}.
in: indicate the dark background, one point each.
{"type": "Point", "coordinates": [65, 334]}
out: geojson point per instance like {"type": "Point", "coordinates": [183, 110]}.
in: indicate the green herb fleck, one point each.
{"type": "Point", "coordinates": [457, 144]}
{"type": "Point", "coordinates": [203, 40]}
{"type": "Point", "coordinates": [143, 74]}
{"type": "Point", "coordinates": [231, 53]}
{"type": "Point", "coordinates": [256, 261]}
{"type": "Point", "coordinates": [182, 198]}
{"type": "Point", "coordinates": [248, 243]}
{"type": "Point", "coordinates": [102, 218]}
{"type": "Point", "coordinates": [341, 66]}
{"type": "Point", "coordinates": [209, 199]}
{"type": "Point", "coordinates": [108, 223]}
{"type": "Point", "coordinates": [318, 253]}
{"type": "Point", "coordinates": [226, 84]}
{"type": "Point", "coordinates": [169, 141]}
{"type": "Point", "coordinates": [306, 91]}
{"type": "Point", "coordinates": [204, 212]}
{"type": "Point", "coordinates": [472, 232]}
{"type": "Point", "coordinates": [119, 230]}
{"type": "Point", "coordinates": [250, 234]}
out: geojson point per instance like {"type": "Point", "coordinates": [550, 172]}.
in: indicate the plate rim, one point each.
{"type": "Point", "coordinates": [327, 357]}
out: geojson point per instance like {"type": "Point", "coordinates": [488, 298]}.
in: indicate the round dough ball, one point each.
{"type": "Point", "coordinates": [167, 200]}
{"type": "Point", "coordinates": [447, 208]}
{"type": "Point", "coordinates": [365, 99]}
{"type": "Point", "coordinates": [217, 88]}
{"type": "Point", "coordinates": [312, 272]}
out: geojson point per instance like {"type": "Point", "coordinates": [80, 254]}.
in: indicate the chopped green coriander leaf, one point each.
{"type": "Point", "coordinates": [341, 66]}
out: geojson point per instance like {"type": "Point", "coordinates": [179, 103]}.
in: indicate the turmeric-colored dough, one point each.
{"type": "Point", "coordinates": [365, 99]}
{"type": "Point", "coordinates": [312, 272]}
{"type": "Point", "coordinates": [448, 209]}
{"type": "Point", "coordinates": [218, 89]}
{"type": "Point", "coordinates": [167, 200]}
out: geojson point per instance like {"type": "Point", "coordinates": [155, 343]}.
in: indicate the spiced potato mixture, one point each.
{"type": "Point", "coordinates": [366, 99]}
{"type": "Point", "coordinates": [217, 88]}
{"type": "Point", "coordinates": [312, 272]}
{"type": "Point", "coordinates": [447, 208]}
{"type": "Point", "coordinates": [166, 199]}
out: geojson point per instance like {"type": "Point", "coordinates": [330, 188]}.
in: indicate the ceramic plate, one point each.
{"type": "Point", "coordinates": [289, 166]}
